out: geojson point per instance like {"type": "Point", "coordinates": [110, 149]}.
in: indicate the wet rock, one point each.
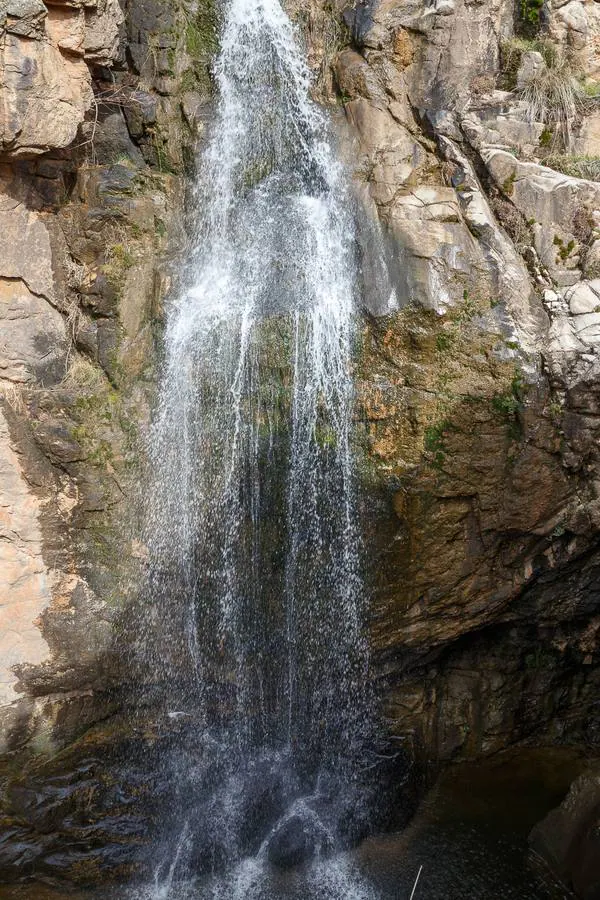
{"type": "Point", "coordinates": [299, 838]}
{"type": "Point", "coordinates": [20, 849]}
{"type": "Point", "coordinates": [141, 112]}
{"type": "Point", "coordinates": [267, 792]}
{"type": "Point", "coordinates": [80, 865]}
{"type": "Point", "coordinates": [569, 837]}
{"type": "Point", "coordinates": [108, 340]}
{"type": "Point", "coordinates": [112, 140]}
{"type": "Point", "coordinates": [194, 109]}
{"type": "Point", "coordinates": [100, 295]}
{"type": "Point", "coordinates": [118, 179]}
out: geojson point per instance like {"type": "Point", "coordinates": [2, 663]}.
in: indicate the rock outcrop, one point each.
{"type": "Point", "coordinates": [46, 52]}
{"type": "Point", "coordinates": [569, 838]}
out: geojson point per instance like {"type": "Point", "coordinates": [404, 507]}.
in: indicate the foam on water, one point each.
{"type": "Point", "coordinates": [336, 878]}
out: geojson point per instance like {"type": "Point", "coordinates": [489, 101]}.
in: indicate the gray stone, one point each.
{"type": "Point", "coordinates": [584, 297]}
{"type": "Point", "coordinates": [531, 65]}
{"type": "Point", "coordinates": [34, 338]}
{"type": "Point", "coordinates": [23, 17]}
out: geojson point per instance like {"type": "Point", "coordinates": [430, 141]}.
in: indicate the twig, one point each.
{"type": "Point", "coordinates": [416, 882]}
{"type": "Point", "coordinates": [114, 96]}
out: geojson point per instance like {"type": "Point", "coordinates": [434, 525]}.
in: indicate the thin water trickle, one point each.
{"type": "Point", "coordinates": [252, 536]}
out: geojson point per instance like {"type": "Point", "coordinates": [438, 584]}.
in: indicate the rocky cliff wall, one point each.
{"type": "Point", "coordinates": [478, 395]}
{"type": "Point", "coordinates": [100, 108]}
{"type": "Point", "coordinates": [471, 129]}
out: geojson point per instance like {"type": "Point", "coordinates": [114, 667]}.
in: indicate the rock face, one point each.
{"type": "Point", "coordinates": [44, 55]}
{"type": "Point", "coordinates": [569, 837]}
{"type": "Point", "coordinates": [478, 398]}
{"type": "Point", "coordinates": [91, 166]}
{"type": "Point", "coordinates": [24, 586]}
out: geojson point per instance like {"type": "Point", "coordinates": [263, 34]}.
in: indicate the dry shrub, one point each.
{"type": "Point", "coordinates": [554, 97]}
{"type": "Point", "coordinates": [13, 395]}
{"type": "Point", "coordinates": [512, 221]}
{"type": "Point", "coordinates": [82, 373]}
{"type": "Point", "coordinates": [511, 52]}
{"type": "Point", "coordinates": [482, 84]}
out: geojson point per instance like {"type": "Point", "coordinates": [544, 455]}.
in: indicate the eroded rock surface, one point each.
{"type": "Point", "coordinates": [24, 578]}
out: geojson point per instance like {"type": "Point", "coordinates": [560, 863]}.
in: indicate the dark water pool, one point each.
{"type": "Point", "coordinates": [469, 839]}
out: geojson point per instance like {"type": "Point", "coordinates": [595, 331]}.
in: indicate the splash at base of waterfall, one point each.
{"type": "Point", "coordinates": [335, 878]}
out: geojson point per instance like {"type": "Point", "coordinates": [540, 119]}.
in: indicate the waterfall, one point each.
{"type": "Point", "coordinates": [252, 533]}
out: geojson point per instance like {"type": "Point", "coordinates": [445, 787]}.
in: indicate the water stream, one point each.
{"type": "Point", "coordinates": [254, 549]}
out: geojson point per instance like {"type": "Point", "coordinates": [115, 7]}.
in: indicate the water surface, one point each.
{"type": "Point", "coordinates": [469, 835]}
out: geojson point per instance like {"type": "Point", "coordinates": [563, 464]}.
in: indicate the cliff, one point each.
{"type": "Point", "coordinates": [472, 130]}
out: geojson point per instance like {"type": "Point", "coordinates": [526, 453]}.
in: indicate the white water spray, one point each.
{"type": "Point", "coordinates": [252, 534]}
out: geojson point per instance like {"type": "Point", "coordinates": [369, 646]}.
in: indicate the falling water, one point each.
{"type": "Point", "coordinates": [254, 553]}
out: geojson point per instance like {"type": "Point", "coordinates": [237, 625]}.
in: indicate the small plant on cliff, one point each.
{"type": "Point", "coordinates": [121, 253]}
{"type": "Point", "coordinates": [509, 405]}
{"type": "Point", "coordinates": [506, 404]}
{"type": "Point", "coordinates": [530, 16]}
{"type": "Point", "coordinates": [201, 32]}
{"type": "Point", "coordinates": [563, 250]}
{"type": "Point", "coordinates": [555, 98]}
{"type": "Point", "coordinates": [539, 659]}
{"type": "Point", "coordinates": [444, 341]}
{"type": "Point", "coordinates": [508, 185]}
{"type": "Point", "coordinates": [434, 439]}
{"type": "Point", "coordinates": [587, 167]}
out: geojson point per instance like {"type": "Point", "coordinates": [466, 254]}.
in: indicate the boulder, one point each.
{"type": "Point", "coordinates": [569, 837]}
{"type": "Point", "coordinates": [584, 297]}
{"type": "Point", "coordinates": [532, 64]}
{"type": "Point", "coordinates": [299, 837]}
